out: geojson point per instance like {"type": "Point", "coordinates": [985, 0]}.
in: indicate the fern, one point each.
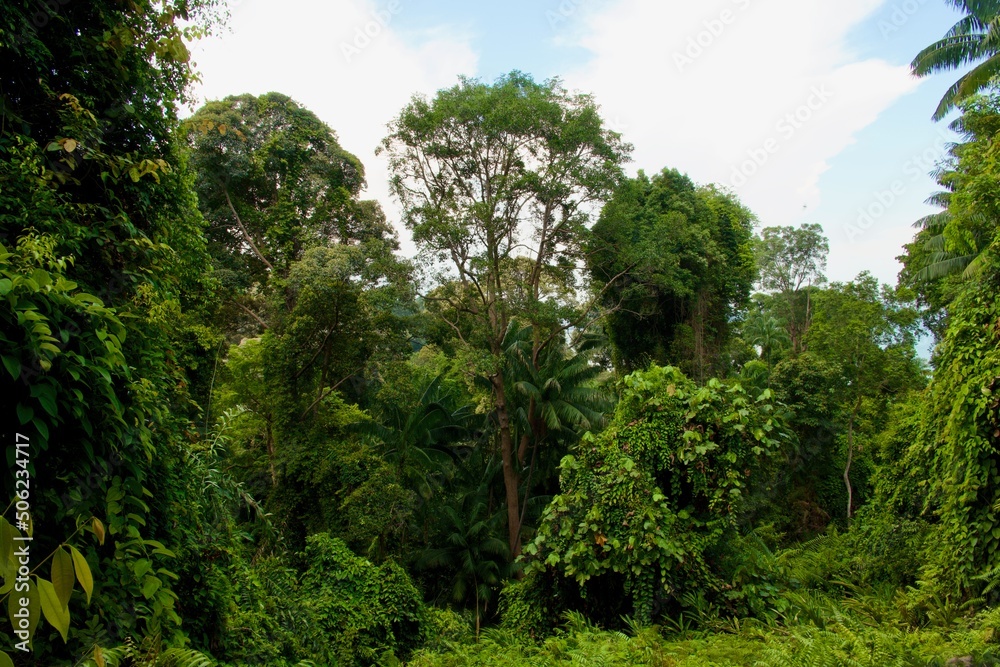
{"type": "Point", "coordinates": [148, 654]}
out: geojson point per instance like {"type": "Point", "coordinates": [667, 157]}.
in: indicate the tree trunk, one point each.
{"type": "Point", "coordinates": [522, 450]}
{"type": "Point", "coordinates": [270, 456]}
{"type": "Point", "coordinates": [698, 327]}
{"type": "Point", "coordinates": [850, 458]}
{"type": "Point", "coordinates": [808, 322]}
{"type": "Point", "coordinates": [511, 470]}
{"type": "Point", "coordinates": [476, 585]}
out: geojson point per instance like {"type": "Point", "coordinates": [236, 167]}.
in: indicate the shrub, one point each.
{"type": "Point", "coordinates": [641, 505]}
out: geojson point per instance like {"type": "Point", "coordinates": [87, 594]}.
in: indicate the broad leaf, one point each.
{"type": "Point", "coordinates": [83, 574]}
{"type": "Point", "coordinates": [55, 613]}
{"type": "Point", "coordinates": [62, 575]}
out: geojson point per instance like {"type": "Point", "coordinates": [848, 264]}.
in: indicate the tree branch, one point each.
{"type": "Point", "coordinates": [249, 312]}
{"type": "Point", "coordinates": [328, 392]}
{"type": "Point", "coordinates": [243, 229]}
{"type": "Point", "coordinates": [590, 307]}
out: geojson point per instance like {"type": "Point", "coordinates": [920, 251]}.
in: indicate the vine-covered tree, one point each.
{"type": "Point", "coordinates": [673, 263]}
{"type": "Point", "coordinates": [645, 502]}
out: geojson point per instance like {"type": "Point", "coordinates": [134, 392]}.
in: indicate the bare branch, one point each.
{"type": "Point", "coordinates": [329, 391]}
{"type": "Point", "coordinates": [243, 229]}
{"type": "Point", "coordinates": [250, 313]}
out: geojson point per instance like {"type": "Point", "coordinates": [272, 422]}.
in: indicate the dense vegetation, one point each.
{"type": "Point", "coordinates": [597, 419]}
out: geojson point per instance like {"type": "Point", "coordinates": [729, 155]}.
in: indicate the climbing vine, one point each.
{"type": "Point", "coordinates": [649, 497]}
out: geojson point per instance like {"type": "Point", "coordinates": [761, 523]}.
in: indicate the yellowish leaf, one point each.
{"type": "Point", "coordinates": [55, 613]}
{"type": "Point", "coordinates": [83, 574]}
{"type": "Point", "coordinates": [62, 575]}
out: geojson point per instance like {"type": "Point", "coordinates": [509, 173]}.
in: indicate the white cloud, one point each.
{"type": "Point", "coordinates": [723, 88]}
{"type": "Point", "coordinates": [320, 55]}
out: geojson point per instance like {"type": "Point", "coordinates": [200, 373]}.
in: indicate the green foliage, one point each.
{"type": "Point", "coordinates": [948, 250]}
{"type": "Point", "coordinates": [365, 610]}
{"type": "Point", "coordinates": [103, 277]}
{"type": "Point", "coordinates": [147, 654]}
{"type": "Point", "coordinates": [674, 262]}
{"type": "Point", "coordinates": [43, 311]}
{"type": "Point", "coordinates": [957, 448]}
{"type": "Point", "coordinates": [136, 251]}
{"type": "Point", "coordinates": [341, 610]}
{"type": "Point", "coordinates": [843, 637]}
{"type": "Point", "coordinates": [650, 497]}
{"type": "Point", "coordinates": [971, 40]}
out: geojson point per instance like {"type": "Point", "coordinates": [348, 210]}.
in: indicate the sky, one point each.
{"type": "Point", "coordinates": [806, 110]}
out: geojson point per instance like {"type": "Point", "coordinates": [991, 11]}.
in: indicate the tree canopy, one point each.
{"type": "Point", "coordinates": [673, 263]}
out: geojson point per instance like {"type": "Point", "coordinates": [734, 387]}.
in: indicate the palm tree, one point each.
{"type": "Point", "coordinates": [974, 39]}
{"type": "Point", "coordinates": [472, 551]}
{"type": "Point", "coordinates": [766, 332]}
{"type": "Point", "coordinates": [418, 441]}
{"type": "Point", "coordinates": [557, 389]}
{"type": "Point", "coordinates": [554, 394]}
{"type": "Point", "coordinates": [469, 544]}
{"type": "Point", "coordinates": [946, 259]}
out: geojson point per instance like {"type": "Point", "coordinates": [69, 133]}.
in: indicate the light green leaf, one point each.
{"type": "Point", "coordinates": [141, 567]}
{"type": "Point", "coordinates": [83, 574]}
{"type": "Point", "coordinates": [150, 586]}
{"type": "Point", "coordinates": [62, 575]}
{"type": "Point", "coordinates": [34, 609]}
{"type": "Point", "coordinates": [55, 613]}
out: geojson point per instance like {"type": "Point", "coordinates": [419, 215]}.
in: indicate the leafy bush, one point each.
{"type": "Point", "coordinates": [364, 610]}
{"type": "Point", "coordinates": [642, 504]}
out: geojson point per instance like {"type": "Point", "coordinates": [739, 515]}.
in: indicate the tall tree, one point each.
{"type": "Point", "coordinates": [791, 261]}
{"type": "Point", "coordinates": [674, 263]}
{"type": "Point", "coordinates": [498, 180]}
{"type": "Point", "coordinates": [974, 39]}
